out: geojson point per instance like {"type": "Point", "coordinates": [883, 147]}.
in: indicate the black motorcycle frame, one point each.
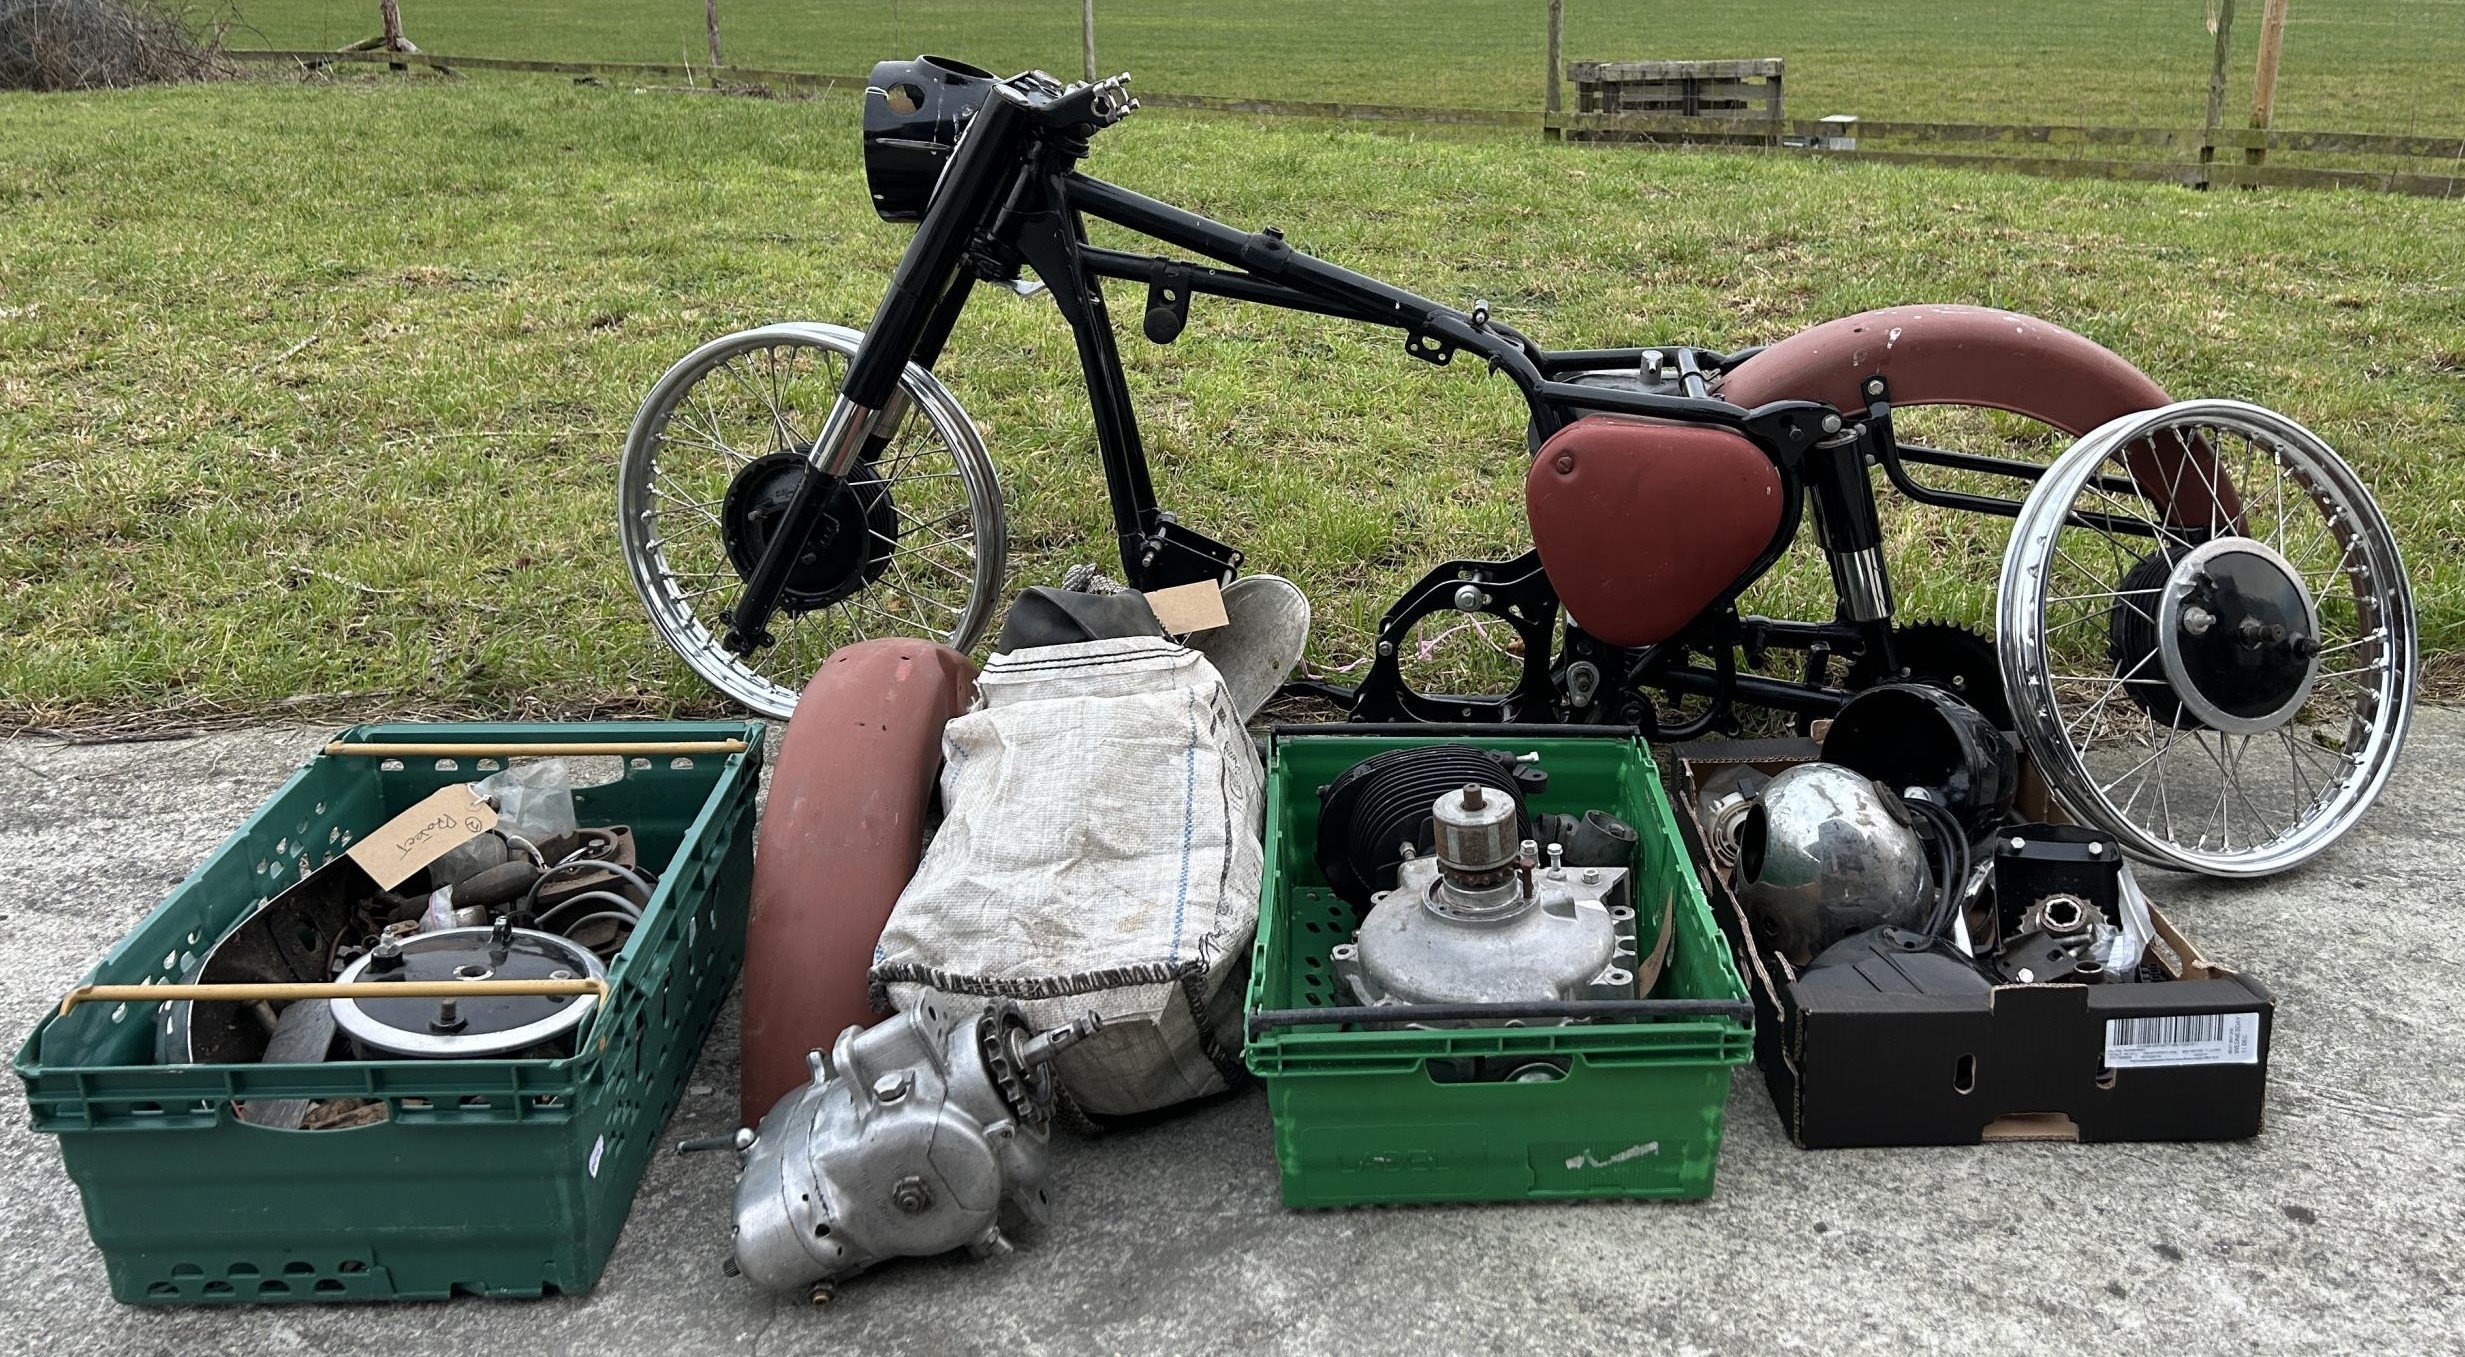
{"type": "Point", "coordinates": [1012, 199]}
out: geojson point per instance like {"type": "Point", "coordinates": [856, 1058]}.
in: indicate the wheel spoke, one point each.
{"type": "Point", "coordinates": [2243, 793]}
{"type": "Point", "coordinates": [2326, 651]}
{"type": "Point", "coordinates": [2173, 731]}
{"type": "Point", "coordinates": [2293, 763]}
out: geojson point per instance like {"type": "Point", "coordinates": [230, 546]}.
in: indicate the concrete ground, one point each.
{"type": "Point", "coordinates": [2342, 1229]}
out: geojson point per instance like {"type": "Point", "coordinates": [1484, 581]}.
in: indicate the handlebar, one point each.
{"type": "Point", "coordinates": [1084, 107]}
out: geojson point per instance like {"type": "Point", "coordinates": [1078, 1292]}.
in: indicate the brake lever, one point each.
{"type": "Point", "coordinates": [1098, 105]}
{"type": "Point", "coordinates": [1110, 99]}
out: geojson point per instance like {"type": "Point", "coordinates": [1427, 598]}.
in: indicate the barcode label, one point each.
{"type": "Point", "coordinates": [2183, 1039]}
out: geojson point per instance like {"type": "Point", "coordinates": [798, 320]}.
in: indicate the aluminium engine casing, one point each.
{"type": "Point", "coordinates": [1572, 938]}
{"type": "Point", "coordinates": [910, 1139]}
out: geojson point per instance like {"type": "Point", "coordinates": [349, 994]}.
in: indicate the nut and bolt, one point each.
{"type": "Point", "coordinates": [1043, 1046]}
{"type": "Point", "coordinates": [740, 1141]}
{"type": "Point", "coordinates": [1469, 598]}
{"type": "Point", "coordinates": [911, 1195]}
{"type": "Point", "coordinates": [2197, 620]}
{"type": "Point", "coordinates": [1583, 679]}
{"type": "Point", "coordinates": [891, 1088]}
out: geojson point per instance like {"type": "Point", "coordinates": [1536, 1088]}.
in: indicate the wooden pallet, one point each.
{"type": "Point", "coordinates": [1717, 90]}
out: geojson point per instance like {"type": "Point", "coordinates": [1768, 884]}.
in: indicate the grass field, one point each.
{"type": "Point", "coordinates": [2361, 65]}
{"type": "Point", "coordinates": [318, 389]}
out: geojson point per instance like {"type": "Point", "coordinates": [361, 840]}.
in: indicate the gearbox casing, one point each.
{"type": "Point", "coordinates": [911, 1139]}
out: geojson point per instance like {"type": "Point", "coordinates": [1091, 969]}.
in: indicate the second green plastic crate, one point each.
{"type": "Point", "coordinates": [1377, 1116]}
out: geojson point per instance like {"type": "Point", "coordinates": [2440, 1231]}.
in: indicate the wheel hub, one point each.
{"type": "Point", "coordinates": [2234, 642]}
{"type": "Point", "coordinates": [2238, 635]}
{"type": "Point", "coordinates": [850, 548]}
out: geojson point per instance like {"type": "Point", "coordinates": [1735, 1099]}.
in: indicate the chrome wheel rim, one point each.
{"type": "Point", "coordinates": [936, 537]}
{"type": "Point", "coordinates": [2112, 712]}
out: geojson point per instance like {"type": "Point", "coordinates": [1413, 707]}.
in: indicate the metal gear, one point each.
{"type": "Point", "coordinates": [1027, 1089]}
{"type": "Point", "coordinates": [1945, 655]}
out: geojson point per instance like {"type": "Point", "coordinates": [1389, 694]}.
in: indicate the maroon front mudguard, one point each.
{"type": "Point", "coordinates": [2001, 360]}
{"type": "Point", "coordinates": [843, 832]}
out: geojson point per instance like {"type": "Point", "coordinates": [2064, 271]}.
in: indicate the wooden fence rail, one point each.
{"type": "Point", "coordinates": [2188, 172]}
{"type": "Point", "coordinates": [614, 70]}
{"type": "Point", "coordinates": [1767, 132]}
{"type": "Point", "coordinates": [2052, 134]}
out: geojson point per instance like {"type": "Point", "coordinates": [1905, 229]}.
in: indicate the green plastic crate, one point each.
{"type": "Point", "coordinates": [1370, 1117]}
{"type": "Point", "coordinates": [487, 1177]}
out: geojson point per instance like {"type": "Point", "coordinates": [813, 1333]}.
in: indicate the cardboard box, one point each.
{"type": "Point", "coordinates": [2020, 1062]}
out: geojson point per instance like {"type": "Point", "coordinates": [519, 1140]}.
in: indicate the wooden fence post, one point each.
{"type": "Point", "coordinates": [2264, 81]}
{"type": "Point", "coordinates": [1087, 36]}
{"type": "Point", "coordinates": [710, 18]}
{"type": "Point", "coordinates": [2222, 24]}
{"type": "Point", "coordinates": [389, 13]}
{"type": "Point", "coordinates": [1557, 35]}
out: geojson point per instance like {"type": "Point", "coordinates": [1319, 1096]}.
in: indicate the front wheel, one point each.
{"type": "Point", "coordinates": [912, 543]}
{"type": "Point", "coordinates": [2220, 678]}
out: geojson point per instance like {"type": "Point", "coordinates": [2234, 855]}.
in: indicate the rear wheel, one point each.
{"type": "Point", "coordinates": [2207, 637]}
{"type": "Point", "coordinates": [912, 542]}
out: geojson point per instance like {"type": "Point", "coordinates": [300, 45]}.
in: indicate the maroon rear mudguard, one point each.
{"type": "Point", "coordinates": [2002, 360]}
{"type": "Point", "coordinates": [843, 832]}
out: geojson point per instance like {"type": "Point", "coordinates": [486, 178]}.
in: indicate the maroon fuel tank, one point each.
{"type": "Point", "coordinates": [1642, 524]}
{"type": "Point", "coordinates": [841, 835]}
{"type": "Point", "coordinates": [2001, 360]}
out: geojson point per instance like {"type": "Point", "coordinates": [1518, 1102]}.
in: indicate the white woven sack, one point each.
{"type": "Point", "coordinates": [1100, 851]}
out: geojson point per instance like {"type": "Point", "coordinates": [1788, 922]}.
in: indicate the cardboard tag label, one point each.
{"type": "Point", "coordinates": [1188, 608]}
{"type": "Point", "coordinates": [2183, 1039]}
{"type": "Point", "coordinates": [449, 817]}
